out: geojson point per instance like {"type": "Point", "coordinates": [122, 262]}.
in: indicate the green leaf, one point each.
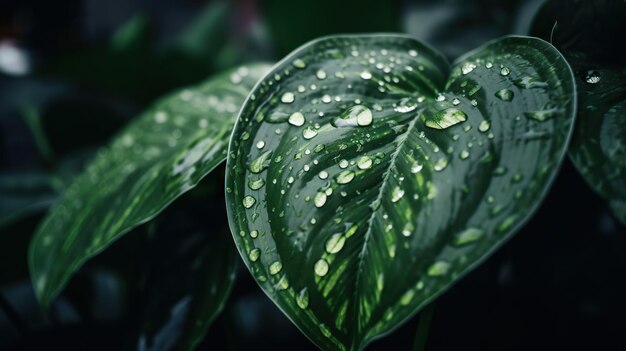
{"type": "Point", "coordinates": [191, 269]}
{"type": "Point", "coordinates": [158, 157]}
{"type": "Point", "coordinates": [598, 147]}
{"type": "Point", "coordinates": [365, 176]}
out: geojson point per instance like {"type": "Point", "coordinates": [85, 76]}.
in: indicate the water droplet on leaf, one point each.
{"type": "Point", "coordinates": [296, 119]}
{"type": "Point", "coordinates": [248, 201]}
{"type": "Point", "coordinates": [446, 118]}
{"type": "Point", "coordinates": [321, 267]}
{"type": "Point", "coordinates": [287, 98]}
{"type": "Point", "coordinates": [504, 95]}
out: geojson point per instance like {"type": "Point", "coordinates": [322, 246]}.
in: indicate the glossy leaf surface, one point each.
{"type": "Point", "coordinates": [585, 32]}
{"type": "Point", "coordinates": [365, 175]}
{"type": "Point", "coordinates": [599, 145]}
{"type": "Point", "coordinates": [161, 155]}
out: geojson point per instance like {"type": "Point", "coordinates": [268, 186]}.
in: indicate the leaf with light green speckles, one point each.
{"type": "Point", "coordinates": [373, 176]}
{"type": "Point", "coordinates": [158, 157]}
{"type": "Point", "coordinates": [598, 147]}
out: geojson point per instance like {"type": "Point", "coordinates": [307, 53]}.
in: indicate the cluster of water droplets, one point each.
{"type": "Point", "coordinates": [300, 115]}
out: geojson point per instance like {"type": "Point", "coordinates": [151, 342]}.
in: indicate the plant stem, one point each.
{"type": "Point", "coordinates": [423, 325]}
{"type": "Point", "coordinates": [13, 316]}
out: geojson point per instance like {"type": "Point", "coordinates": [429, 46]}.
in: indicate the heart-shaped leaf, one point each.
{"type": "Point", "coordinates": [160, 156]}
{"type": "Point", "coordinates": [365, 176]}
{"type": "Point", "coordinates": [598, 147]}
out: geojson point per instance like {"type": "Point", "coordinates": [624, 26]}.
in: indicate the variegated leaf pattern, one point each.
{"type": "Point", "coordinates": [165, 152]}
{"type": "Point", "coordinates": [365, 175]}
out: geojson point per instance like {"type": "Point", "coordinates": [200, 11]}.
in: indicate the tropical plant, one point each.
{"type": "Point", "coordinates": [364, 174]}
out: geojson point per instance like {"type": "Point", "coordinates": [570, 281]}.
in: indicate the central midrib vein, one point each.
{"type": "Point", "coordinates": [361, 257]}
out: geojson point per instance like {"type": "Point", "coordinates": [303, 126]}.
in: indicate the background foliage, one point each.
{"type": "Point", "coordinates": [86, 68]}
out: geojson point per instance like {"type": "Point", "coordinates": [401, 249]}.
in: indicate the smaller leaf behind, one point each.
{"type": "Point", "coordinates": [158, 157]}
{"type": "Point", "coordinates": [190, 266]}
{"type": "Point", "coordinates": [586, 31]}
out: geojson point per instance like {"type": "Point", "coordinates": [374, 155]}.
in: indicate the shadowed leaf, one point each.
{"type": "Point", "coordinates": [158, 157]}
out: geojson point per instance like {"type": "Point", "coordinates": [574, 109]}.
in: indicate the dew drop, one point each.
{"type": "Point", "coordinates": [320, 75]}
{"type": "Point", "coordinates": [446, 118]}
{"type": "Point", "coordinates": [505, 71]}
{"type": "Point", "coordinates": [343, 164]}
{"type": "Point", "coordinates": [396, 194]}
{"type": "Point", "coordinates": [408, 229]}
{"type": "Point", "coordinates": [366, 75]}
{"type": "Point", "coordinates": [254, 254]}
{"type": "Point", "coordinates": [275, 267]}
{"type": "Point", "coordinates": [592, 77]}
{"type": "Point", "coordinates": [309, 133]}
{"type": "Point", "coordinates": [345, 177]}
{"type": "Point", "coordinates": [484, 126]}
{"type": "Point", "coordinates": [364, 162]}
{"type": "Point", "coordinates": [468, 67]}
{"type": "Point", "coordinates": [541, 116]}
{"type": "Point", "coordinates": [416, 167]}
{"type": "Point", "coordinates": [364, 116]}
{"type": "Point", "coordinates": [326, 99]}
{"type": "Point", "coordinates": [438, 268]}
{"type": "Point", "coordinates": [500, 171]}
{"type": "Point", "coordinates": [248, 201]}
{"type": "Point", "coordinates": [259, 164]}
{"type": "Point", "coordinates": [260, 144]}
{"type": "Point", "coordinates": [456, 102]}
{"type": "Point", "coordinates": [488, 65]}
{"type": "Point", "coordinates": [357, 115]}
{"type": "Point", "coordinates": [283, 283]}
{"type": "Point", "coordinates": [412, 53]}
{"type": "Point", "coordinates": [254, 234]}
{"type": "Point", "coordinates": [298, 63]}
{"type": "Point", "coordinates": [464, 155]}
{"type": "Point", "coordinates": [321, 267]}
{"type": "Point", "coordinates": [296, 119]}
{"type": "Point", "coordinates": [441, 164]}
{"type": "Point", "coordinates": [335, 243]}
{"type": "Point", "coordinates": [405, 105]}
{"type": "Point", "coordinates": [287, 98]}
{"type": "Point", "coordinates": [256, 184]}
{"type": "Point", "coordinates": [323, 175]}
{"type": "Point", "coordinates": [320, 199]}
{"type": "Point", "coordinates": [504, 94]}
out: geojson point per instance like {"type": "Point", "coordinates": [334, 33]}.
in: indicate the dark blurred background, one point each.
{"type": "Point", "coordinates": [74, 72]}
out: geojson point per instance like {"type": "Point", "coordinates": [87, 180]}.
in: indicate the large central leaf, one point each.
{"type": "Point", "coordinates": [365, 176]}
